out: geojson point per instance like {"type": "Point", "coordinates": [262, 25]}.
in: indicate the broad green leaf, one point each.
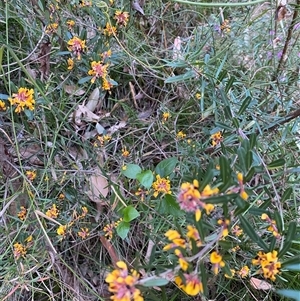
{"type": "Point", "coordinates": [289, 294]}
{"type": "Point", "coordinates": [166, 166]}
{"type": "Point", "coordinates": [244, 105]}
{"type": "Point", "coordinates": [169, 206]}
{"type": "Point", "coordinates": [277, 163]}
{"type": "Point", "coordinates": [84, 80]}
{"type": "Point", "coordinates": [250, 231]}
{"type": "Point", "coordinates": [131, 171]}
{"type": "Point", "coordinates": [130, 213]}
{"type": "Point", "coordinates": [145, 178]}
{"type": "Point", "coordinates": [123, 229]}
{"type": "Point", "coordinates": [156, 282]}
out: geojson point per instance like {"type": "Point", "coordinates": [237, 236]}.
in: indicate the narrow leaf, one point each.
{"type": "Point", "coordinates": [289, 294]}
{"type": "Point", "coordinates": [244, 105]}
{"type": "Point", "coordinates": [277, 163]}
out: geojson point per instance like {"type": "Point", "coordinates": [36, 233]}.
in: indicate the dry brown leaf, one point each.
{"type": "Point", "coordinates": [44, 59]}
{"type": "Point", "coordinates": [116, 127]}
{"type": "Point", "coordinates": [73, 90]}
{"type": "Point", "coordinates": [84, 113]}
{"type": "Point", "coordinates": [93, 100]}
{"type": "Point", "coordinates": [260, 284]}
{"type": "Point", "coordinates": [136, 6]}
{"type": "Point", "coordinates": [98, 186]}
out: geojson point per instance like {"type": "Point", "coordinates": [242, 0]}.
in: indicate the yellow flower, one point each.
{"type": "Point", "coordinates": [198, 96]}
{"type": "Point", "coordinates": [244, 195]}
{"type": "Point", "coordinates": [51, 28]}
{"type": "Point", "coordinates": [121, 17]}
{"type": "Point", "coordinates": [70, 64]}
{"type": "Point", "coordinates": [31, 175]}
{"type": "Point", "coordinates": [23, 99]}
{"type": "Point", "coordinates": [62, 230]}
{"type": "Point", "coordinates": [84, 233]}
{"type": "Point", "coordinates": [125, 152]}
{"type": "Point", "coordinates": [106, 84]}
{"type": "Point", "coordinates": [244, 271]}
{"type": "Point", "coordinates": [109, 30]}
{"type": "Point", "coordinates": [161, 185]}
{"type": "Point", "coordinates": [232, 274]}
{"type": "Point", "coordinates": [122, 283]}
{"type": "Point", "coordinates": [61, 196]}
{"type": "Point", "coordinates": [98, 70]}
{"type": "Point", "coordinates": [224, 223]}
{"type": "Point", "coordinates": [216, 138]}
{"type": "Point", "coordinates": [142, 193]}
{"type": "Point", "coordinates": [70, 24]}
{"type": "Point", "coordinates": [53, 212]}
{"type": "Point", "coordinates": [2, 105]}
{"type": "Point", "coordinates": [176, 240]}
{"type": "Point", "coordinates": [182, 262]}
{"type": "Point", "coordinates": [22, 214]}
{"type": "Point", "coordinates": [106, 54]}
{"type": "Point", "coordinates": [166, 116]}
{"type": "Point", "coordinates": [237, 231]}
{"type": "Point", "coordinates": [181, 135]}
{"type": "Point", "coordinates": [191, 285]}
{"type": "Point", "coordinates": [216, 260]}
{"type": "Point", "coordinates": [77, 46]}
{"type": "Point", "coordinates": [19, 250]}
{"type": "Point", "coordinates": [193, 234]}
{"type": "Point", "coordinates": [240, 177]}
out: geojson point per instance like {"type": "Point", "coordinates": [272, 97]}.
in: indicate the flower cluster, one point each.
{"type": "Point", "coordinates": [181, 135]}
{"type": "Point", "coordinates": [216, 138]}
{"type": "Point", "coordinates": [165, 117]}
{"type": "Point", "coordinates": [23, 99]}
{"type": "Point", "coordinates": [190, 199]}
{"type": "Point", "coordinates": [188, 282]}
{"type": "Point", "coordinates": [225, 26]}
{"type": "Point", "coordinates": [62, 229]}
{"type": "Point", "coordinates": [121, 18]}
{"type": "Point", "coordinates": [123, 284]}
{"type": "Point", "coordinates": [52, 212]}
{"type": "Point", "coordinates": [51, 28]}
{"type": "Point", "coordinates": [272, 225]}
{"type": "Point", "coordinates": [20, 250]}
{"type": "Point", "coordinates": [269, 264]}
{"type": "Point", "coordinates": [161, 185]}
{"type": "Point", "coordinates": [22, 213]}
{"type": "Point", "coordinates": [101, 140]}
{"type": "Point", "coordinates": [110, 228]}
{"type": "Point", "coordinates": [77, 46]}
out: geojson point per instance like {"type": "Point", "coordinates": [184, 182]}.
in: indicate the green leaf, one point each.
{"type": "Point", "coordinates": [287, 194]}
{"type": "Point", "coordinates": [84, 80]}
{"type": "Point", "coordinates": [183, 77]}
{"type": "Point", "coordinates": [145, 178]}
{"type": "Point", "coordinates": [288, 239]}
{"type": "Point", "coordinates": [278, 220]}
{"type": "Point", "coordinates": [123, 229]}
{"type": "Point", "coordinates": [249, 175]}
{"type": "Point", "coordinates": [156, 282]}
{"type": "Point", "coordinates": [225, 169]}
{"type": "Point", "coordinates": [230, 83]}
{"type": "Point", "coordinates": [223, 126]}
{"type": "Point", "coordinates": [207, 179]}
{"type": "Point", "coordinates": [130, 213]}
{"type": "Point", "coordinates": [131, 171]}
{"type": "Point", "coordinates": [293, 267]}
{"type": "Point", "coordinates": [169, 206]}
{"type": "Point", "coordinates": [221, 199]}
{"type": "Point", "coordinates": [252, 140]}
{"type": "Point", "coordinates": [241, 152]}
{"type": "Point", "coordinates": [289, 294]}
{"type": "Point", "coordinates": [250, 231]}
{"type": "Point", "coordinates": [244, 105]}
{"type": "Point", "coordinates": [166, 166]}
{"type": "Point", "coordinates": [277, 163]}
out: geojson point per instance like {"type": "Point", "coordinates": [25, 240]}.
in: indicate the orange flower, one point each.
{"type": "Point", "coordinates": [23, 99]}
{"type": "Point", "coordinates": [121, 17]}
{"type": "Point", "coordinates": [77, 46]}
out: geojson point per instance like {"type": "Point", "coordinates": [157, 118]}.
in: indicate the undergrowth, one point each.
{"type": "Point", "coordinates": [149, 150]}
